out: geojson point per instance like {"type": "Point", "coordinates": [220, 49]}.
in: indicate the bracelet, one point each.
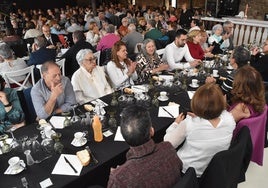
{"type": "Point", "coordinates": [8, 105]}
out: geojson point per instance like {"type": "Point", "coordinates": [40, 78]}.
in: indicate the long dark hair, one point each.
{"type": "Point", "coordinates": [2, 83]}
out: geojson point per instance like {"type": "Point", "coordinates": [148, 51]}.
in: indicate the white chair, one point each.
{"type": "Point", "coordinates": [160, 52]}
{"type": "Point", "coordinates": [137, 48]}
{"type": "Point", "coordinates": [97, 55]}
{"type": "Point", "coordinates": [61, 64]}
{"type": "Point", "coordinates": [28, 72]}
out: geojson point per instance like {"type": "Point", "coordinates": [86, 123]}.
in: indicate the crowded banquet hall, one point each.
{"type": "Point", "coordinates": [133, 93]}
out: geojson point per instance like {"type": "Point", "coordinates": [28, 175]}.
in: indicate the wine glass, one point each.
{"type": "Point", "coordinates": [14, 143]}
{"type": "Point", "coordinates": [75, 118]}
{"type": "Point", "coordinates": [35, 144]}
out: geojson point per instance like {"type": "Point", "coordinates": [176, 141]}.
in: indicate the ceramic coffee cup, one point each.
{"type": "Point", "coordinates": [15, 162]}
{"type": "Point", "coordinates": [215, 73]}
{"type": "Point", "coordinates": [79, 137]}
{"type": "Point", "coordinates": [163, 94]}
{"type": "Point", "coordinates": [194, 82]}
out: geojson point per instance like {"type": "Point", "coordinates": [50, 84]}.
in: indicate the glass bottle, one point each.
{"type": "Point", "coordinates": [29, 158]}
{"type": "Point", "coordinates": [97, 129]}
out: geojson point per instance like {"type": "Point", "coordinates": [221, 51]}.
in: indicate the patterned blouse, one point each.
{"type": "Point", "coordinates": [145, 64]}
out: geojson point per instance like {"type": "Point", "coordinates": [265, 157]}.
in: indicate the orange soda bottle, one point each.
{"type": "Point", "coordinates": [97, 129]}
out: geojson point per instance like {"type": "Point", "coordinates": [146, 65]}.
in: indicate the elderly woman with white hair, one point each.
{"type": "Point", "coordinates": [218, 40]}
{"type": "Point", "coordinates": [89, 81]}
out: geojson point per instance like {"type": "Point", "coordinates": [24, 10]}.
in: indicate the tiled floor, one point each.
{"type": "Point", "coordinates": [257, 176]}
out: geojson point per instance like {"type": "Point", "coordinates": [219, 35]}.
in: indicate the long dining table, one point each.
{"type": "Point", "coordinates": [109, 153]}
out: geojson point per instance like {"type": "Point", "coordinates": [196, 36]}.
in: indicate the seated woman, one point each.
{"type": "Point", "coordinates": [121, 70]}
{"type": "Point", "coordinates": [218, 40]}
{"type": "Point", "coordinates": [204, 45]}
{"type": "Point", "coordinates": [89, 81]}
{"type": "Point", "coordinates": [194, 44]}
{"type": "Point", "coordinates": [93, 34]}
{"type": "Point", "coordinates": [10, 63]}
{"type": "Point", "coordinates": [149, 62]}
{"type": "Point", "coordinates": [11, 114]}
{"type": "Point", "coordinates": [206, 132]}
{"type": "Point", "coordinates": [248, 91]}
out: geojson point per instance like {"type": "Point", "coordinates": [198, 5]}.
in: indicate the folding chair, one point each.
{"type": "Point", "coordinates": [27, 82]}
{"type": "Point", "coordinates": [61, 64]}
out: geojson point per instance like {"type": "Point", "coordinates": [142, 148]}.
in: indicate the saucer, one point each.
{"type": "Point", "coordinates": [215, 76]}
{"type": "Point", "coordinates": [162, 98]}
{"type": "Point", "coordinates": [11, 171]}
{"type": "Point", "coordinates": [77, 144]}
{"type": "Point", "coordinates": [194, 86]}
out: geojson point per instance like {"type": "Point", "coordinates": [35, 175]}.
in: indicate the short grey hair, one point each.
{"type": "Point", "coordinates": [227, 23]}
{"type": "Point", "coordinates": [5, 51]}
{"type": "Point", "coordinates": [110, 28]}
{"type": "Point", "coordinates": [81, 55]}
{"type": "Point", "coordinates": [47, 64]}
{"type": "Point", "coordinates": [215, 27]}
{"type": "Point", "coordinates": [131, 27]}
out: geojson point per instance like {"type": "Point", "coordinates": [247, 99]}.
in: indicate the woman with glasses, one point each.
{"type": "Point", "coordinates": [89, 81]}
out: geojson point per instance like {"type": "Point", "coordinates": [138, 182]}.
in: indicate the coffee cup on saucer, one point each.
{"type": "Point", "coordinates": [79, 138]}
{"type": "Point", "coordinates": [15, 163]}
{"type": "Point", "coordinates": [215, 73]}
{"type": "Point", "coordinates": [194, 82]}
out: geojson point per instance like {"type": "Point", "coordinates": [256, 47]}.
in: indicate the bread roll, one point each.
{"type": "Point", "coordinates": [128, 90]}
{"type": "Point", "coordinates": [83, 156]}
{"type": "Point", "coordinates": [88, 107]}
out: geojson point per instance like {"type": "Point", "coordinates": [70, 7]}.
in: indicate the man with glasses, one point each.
{"type": "Point", "coordinates": [53, 93]}
{"type": "Point", "coordinates": [178, 50]}
{"type": "Point", "coordinates": [260, 60]}
{"type": "Point", "coordinates": [89, 81]}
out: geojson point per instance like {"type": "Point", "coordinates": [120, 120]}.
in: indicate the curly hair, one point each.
{"type": "Point", "coordinates": [248, 88]}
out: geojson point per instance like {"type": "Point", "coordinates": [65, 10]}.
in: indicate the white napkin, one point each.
{"type": "Point", "coordinates": [191, 94]}
{"type": "Point", "coordinates": [118, 135]}
{"type": "Point", "coordinates": [57, 122]}
{"type": "Point", "coordinates": [103, 104]}
{"type": "Point", "coordinates": [166, 77]}
{"type": "Point", "coordinates": [63, 168]}
{"type": "Point", "coordinates": [139, 89]}
{"type": "Point", "coordinates": [173, 109]}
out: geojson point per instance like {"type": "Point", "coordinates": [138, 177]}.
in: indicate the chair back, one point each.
{"type": "Point", "coordinates": [28, 72]}
{"type": "Point", "coordinates": [189, 180]}
{"type": "Point", "coordinates": [27, 105]}
{"type": "Point", "coordinates": [227, 168]}
{"type": "Point", "coordinates": [105, 56]}
{"type": "Point", "coordinates": [61, 64]}
{"type": "Point", "coordinates": [160, 52]}
{"type": "Point", "coordinates": [98, 56]}
{"type": "Point", "coordinates": [257, 127]}
{"type": "Point", "coordinates": [137, 48]}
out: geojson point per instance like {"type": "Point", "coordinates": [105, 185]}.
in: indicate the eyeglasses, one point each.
{"type": "Point", "coordinates": [91, 59]}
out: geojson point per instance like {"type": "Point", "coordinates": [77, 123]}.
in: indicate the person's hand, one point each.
{"type": "Point", "coordinates": [255, 51]}
{"type": "Point", "coordinates": [132, 67]}
{"type": "Point", "coordinates": [3, 98]}
{"type": "Point", "coordinates": [180, 118]}
{"type": "Point", "coordinates": [225, 36]}
{"type": "Point", "coordinates": [210, 79]}
{"type": "Point", "coordinates": [209, 54]}
{"type": "Point", "coordinates": [56, 90]}
{"type": "Point", "coordinates": [51, 46]}
{"type": "Point", "coordinates": [195, 62]}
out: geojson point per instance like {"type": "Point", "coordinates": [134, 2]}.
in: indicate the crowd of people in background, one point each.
{"type": "Point", "coordinates": [127, 38]}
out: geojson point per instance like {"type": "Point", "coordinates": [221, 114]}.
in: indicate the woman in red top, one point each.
{"type": "Point", "coordinates": [194, 44]}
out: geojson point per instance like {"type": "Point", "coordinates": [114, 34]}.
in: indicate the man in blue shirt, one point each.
{"type": "Point", "coordinates": [52, 94]}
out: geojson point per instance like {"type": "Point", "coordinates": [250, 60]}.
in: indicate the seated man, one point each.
{"type": "Point", "coordinates": [52, 94]}
{"type": "Point", "coordinates": [177, 50]}
{"type": "Point", "coordinates": [142, 168]}
{"type": "Point", "coordinates": [89, 80]}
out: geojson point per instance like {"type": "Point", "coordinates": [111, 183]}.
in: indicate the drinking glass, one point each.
{"type": "Point", "coordinates": [29, 158]}
{"type": "Point", "coordinates": [112, 121]}
{"type": "Point", "coordinates": [58, 146]}
{"type": "Point", "coordinates": [14, 143]}
{"type": "Point", "coordinates": [35, 144]}
{"type": "Point", "coordinates": [75, 118]}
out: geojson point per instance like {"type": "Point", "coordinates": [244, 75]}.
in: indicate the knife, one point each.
{"type": "Point", "coordinates": [167, 112]}
{"type": "Point", "coordinates": [67, 161]}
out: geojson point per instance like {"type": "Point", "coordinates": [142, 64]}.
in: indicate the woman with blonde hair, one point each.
{"type": "Point", "coordinates": [121, 70]}
{"type": "Point", "coordinates": [194, 46]}
{"type": "Point", "coordinates": [93, 34]}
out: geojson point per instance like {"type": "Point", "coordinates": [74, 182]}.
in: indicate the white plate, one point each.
{"type": "Point", "coordinates": [162, 99]}
{"type": "Point", "coordinates": [215, 76]}
{"type": "Point", "coordinates": [77, 144]}
{"type": "Point", "coordinates": [11, 171]}
{"type": "Point", "coordinates": [194, 86]}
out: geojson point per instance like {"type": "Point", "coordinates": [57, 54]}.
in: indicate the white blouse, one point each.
{"type": "Point", "coordinates": [202, 140]}
{"type": "Point", "coordinates": [88, 86]}
{"type": "Point", "coordinates": [119, 77]}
